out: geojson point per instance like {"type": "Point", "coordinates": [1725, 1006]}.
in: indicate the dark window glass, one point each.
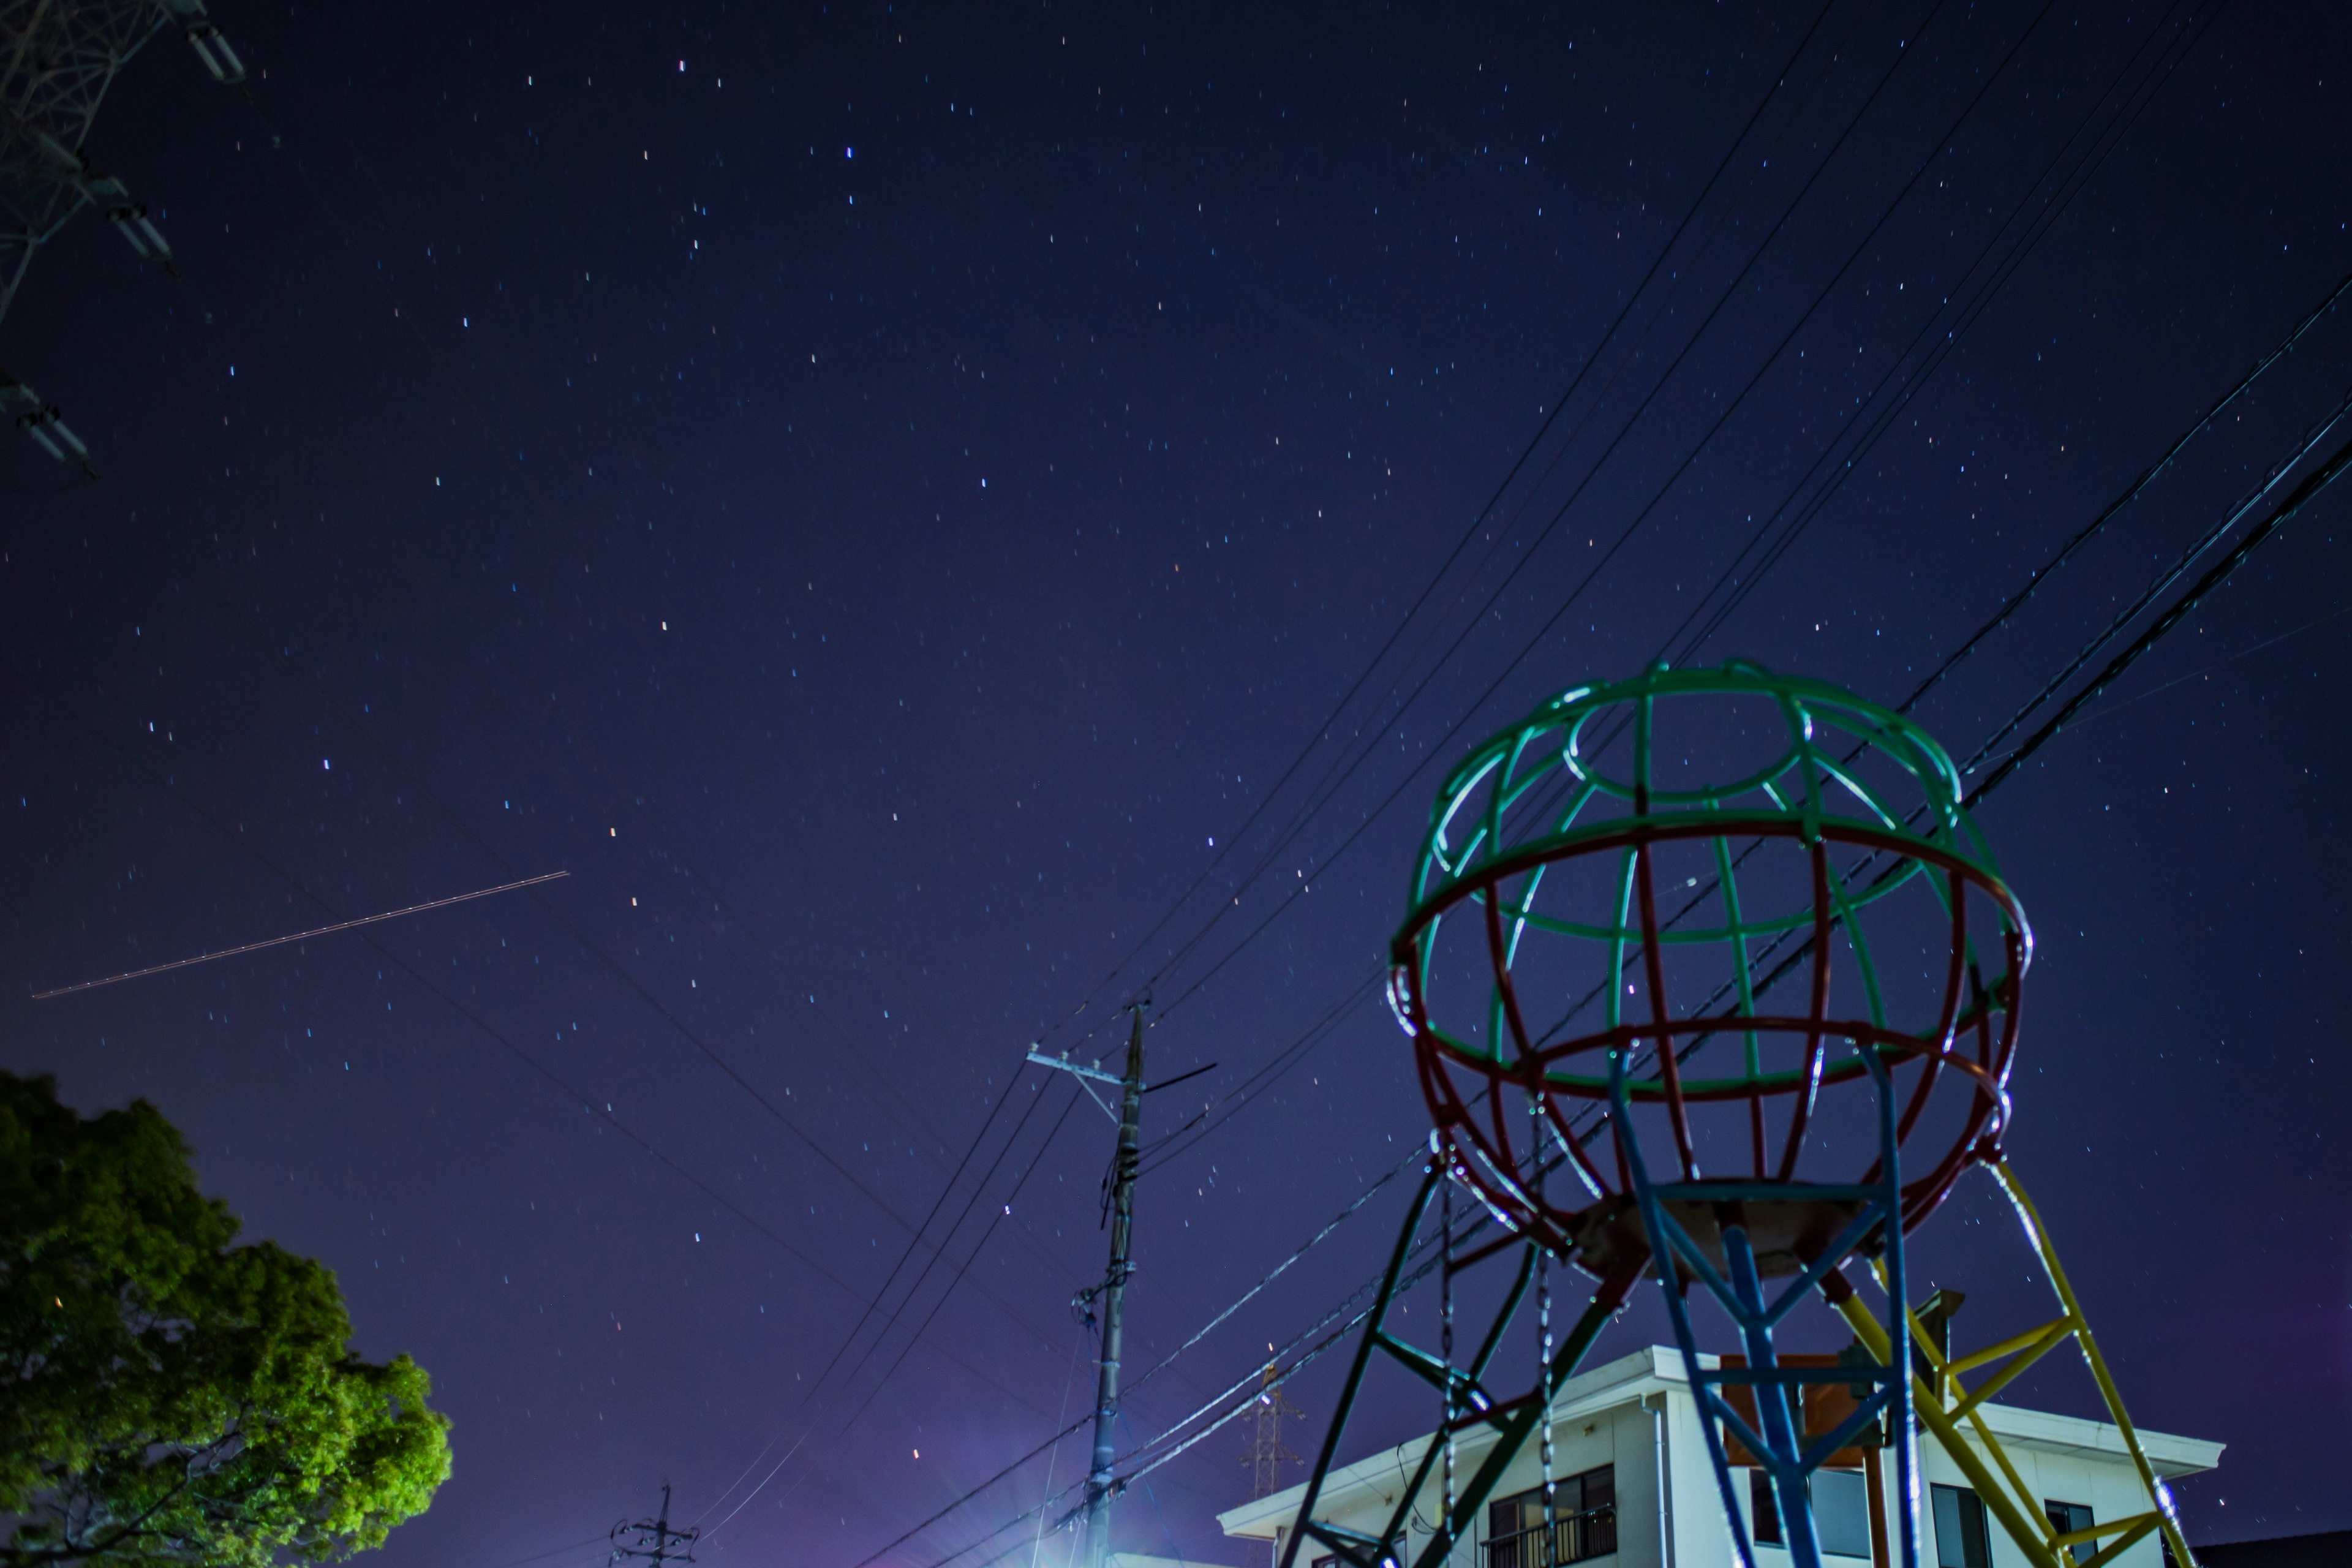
{"type": "Point", "coordinates": [1841, 1500]}
{"type": "Point", "coordinates": [1959, 1528]}
{"type": "Point", "coordinates": [1763, 1510]}
{"type": "Point", "coordinates": [1584, 1523]}
{"type": "Point", "coordinates": [2068, 1516]}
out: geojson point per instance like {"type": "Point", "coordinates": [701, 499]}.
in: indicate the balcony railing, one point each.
{"type": "Point", "coordinates": [1572, 1538]}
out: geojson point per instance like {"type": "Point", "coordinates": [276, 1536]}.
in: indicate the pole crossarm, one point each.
{"type": "Point", "coordinates": [653, 1540]}
{"type": "Point", "coordinates": [1079, 1069]}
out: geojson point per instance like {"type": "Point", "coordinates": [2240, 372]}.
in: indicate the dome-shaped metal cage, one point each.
{"type": "Point", "coordinates": [1732, 888]}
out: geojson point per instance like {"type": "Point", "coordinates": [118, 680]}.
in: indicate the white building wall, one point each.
{"type": "Point", "coordinates": [1637, 1410]}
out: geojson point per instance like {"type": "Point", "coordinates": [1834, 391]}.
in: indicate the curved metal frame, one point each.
{"type": "Point", "coordinates": [1808, 796]}
{"type": "Point", "coordinates": [1822, 802]}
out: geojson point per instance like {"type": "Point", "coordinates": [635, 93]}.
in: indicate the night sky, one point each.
{"type": "Point", "coordinates": [882, 495]}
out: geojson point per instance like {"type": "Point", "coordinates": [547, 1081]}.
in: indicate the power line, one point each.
{"type": "Point", "coordinates": [2109, 512]}
{"type": "Point", "coordinates": [1731, 406]}
{"type": "Point", "coordinates": [2311, 487]}
{"type": "Point", "coordinates": [2111, 709]}
{"type": "Point", "coordinates": [1928, 368]}
{"type": "Point", "coordinates": [2167, 577]}
{"type": "Point", "coordinates": [364, 734]}
{"type": "Point", "coordinates": [2037, 228]}
{"type": "Point", "coordinates": [1470, 532]}
{"type": "Point", "coordinates": [1730, 290]}
{"type": "Point", "coordinates": [2308, 490]}
{"type": "Point", "coordinates": [595, 950]}
{"type": "Point", "coordinates": [962, 1268]}
{"type": "Point", "coordinates": [566, 1089]}
{"type": "Point", "coordinates": [2262, 534]}
{"type": "Point", "coordinates": [924, 1327]}
{"type": "Point", "coordinates": [874, 1305]}
{"type": "Point", "coordinates": [554, 1552]}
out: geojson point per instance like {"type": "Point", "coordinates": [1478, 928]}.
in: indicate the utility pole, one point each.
{"type": "Point", "coordinates": [1113, 1289]}
{"type": "Point", "coordinates": [667, 1545]}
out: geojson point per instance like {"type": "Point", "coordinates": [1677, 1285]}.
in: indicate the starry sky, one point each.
{"type": "Point", "coordinates": [945, 519]}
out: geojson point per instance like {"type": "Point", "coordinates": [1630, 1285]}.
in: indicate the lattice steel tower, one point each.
{"type": "Point", "coordinates": [57, 58]}
{"type": "Point", "coordinates": [1266, 1455]}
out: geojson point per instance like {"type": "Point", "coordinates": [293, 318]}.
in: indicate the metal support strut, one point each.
{"type": "Point", "coordinates": [1782, 1449]}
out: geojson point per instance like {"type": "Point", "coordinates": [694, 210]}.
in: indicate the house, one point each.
{"type": "Point", "coordinates": [1632, 1481]}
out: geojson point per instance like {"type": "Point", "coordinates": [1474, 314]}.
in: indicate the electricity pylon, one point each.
{"type": "Point", "coordinates": [57, 58]}
{"type": "Point", "coordinates": [1266, 1455]}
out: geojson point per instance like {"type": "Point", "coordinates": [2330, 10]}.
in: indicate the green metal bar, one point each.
{"type": "Point", "coordinates": [1434, 1371]}
{"type": "Point", "coordinates": [1504, 1314]}
{"type": "Point", "coordinates": [1340, 1412]}
{"type": "Point", "coordinates": [1456, 1525]}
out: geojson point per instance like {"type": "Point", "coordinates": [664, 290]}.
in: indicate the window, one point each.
{"type": "Point", "coordinates": [2068, 1516]}
{"type": "Point", "coordinates": [1840, 1512]}
{"type": "Point", "coordinates": [1764, 1511]}
{"type": "Point", "coordinates": [1960, 1528]}
{"type": "Point", "coordinates": [1584, 1523]}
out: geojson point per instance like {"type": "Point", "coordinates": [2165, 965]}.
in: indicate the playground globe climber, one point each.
{"type": "Point", "coordinates": [1710, 978]}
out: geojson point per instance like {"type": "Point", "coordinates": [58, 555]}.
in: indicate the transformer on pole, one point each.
{"type": "Point", "coordinates": [57, 58]}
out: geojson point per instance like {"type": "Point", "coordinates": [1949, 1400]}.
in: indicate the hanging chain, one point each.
{"type": "Point", "coordinates": [1543, 1321]}
{"type": "Point", "coordinates": [1445, 1342]}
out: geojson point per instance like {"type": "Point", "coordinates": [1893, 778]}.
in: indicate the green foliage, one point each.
{"type": "Point", "coordinates": [169, 1397]}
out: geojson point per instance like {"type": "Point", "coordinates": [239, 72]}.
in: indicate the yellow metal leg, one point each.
{"type": "Point", "coordinates": [1954, 1417]}
{"type": "Point", "coordinates": [2158, 1493]}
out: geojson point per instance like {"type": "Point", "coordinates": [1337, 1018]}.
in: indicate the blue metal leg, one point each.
{"type": "Point", "coordinates": [1777, 1441]}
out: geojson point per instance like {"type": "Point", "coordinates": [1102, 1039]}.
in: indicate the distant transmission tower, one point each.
{"type": "Point", "coordinates": [58, 58]}
{"type": "Point", "coordinates": [653, 1539]}
{"type": "Point", "coordinates": [1266, 1456]}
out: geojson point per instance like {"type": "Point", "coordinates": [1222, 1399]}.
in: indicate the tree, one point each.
{"type": "Point", "coordinates": [167, 1397]}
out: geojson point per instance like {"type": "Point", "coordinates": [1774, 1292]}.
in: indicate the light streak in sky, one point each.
{"type": "Point", "coordinates": [299, 936]}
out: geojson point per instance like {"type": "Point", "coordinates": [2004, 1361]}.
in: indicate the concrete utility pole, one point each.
{"type": "Point", "coordinates": [1113, 1314]}
{"type": "Point", "coordinates": [1112, 1292]}
{"type": "Point", "coordinates": [654, 1540]}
